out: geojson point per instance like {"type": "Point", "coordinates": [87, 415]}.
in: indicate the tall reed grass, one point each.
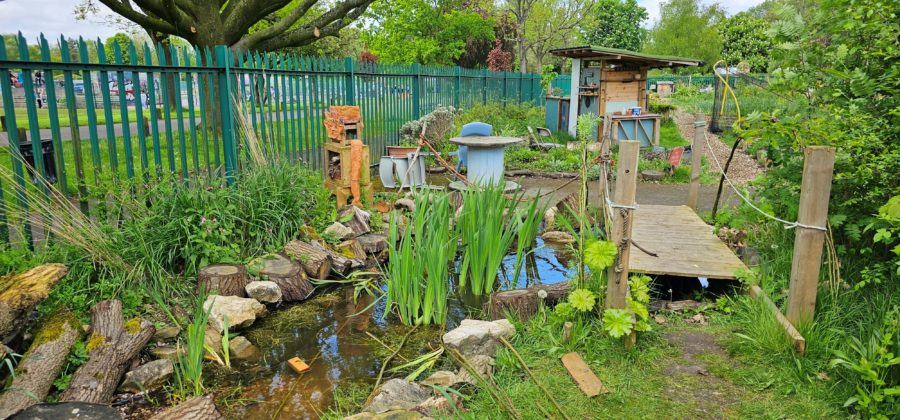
{"type": "Point", "coordinates": [487, 227]}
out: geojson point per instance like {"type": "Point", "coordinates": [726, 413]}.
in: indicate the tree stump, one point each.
{"type": "Point", "coordinates": [288, 275]}
{"type": "Point", "coordinates": [40, 367]}
{"type": "Point", "coordinates": [314, 260]}
{"type": "Point", "coordinates": [197, 408]}
{"type": "Point", "coordinates": [524, 302]}
{"type": "Point", "coordinates": [20, 293]}
{"type": "Point", "coordinates": [356, 219]}
{"type": "Point", "coordinates": [111, 347]}
{"type": "Point", "coordinates": [352, 248]}
{"type": "Point", "coordinates": [223, 279]}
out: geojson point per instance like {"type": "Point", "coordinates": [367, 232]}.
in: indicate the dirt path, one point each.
{"type": "Point", "coordinates": [688, 379]}
{"type": "Point", "coordinates": [743, 168]}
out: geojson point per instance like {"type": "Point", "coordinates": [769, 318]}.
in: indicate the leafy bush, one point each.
{"type": "Point", "coordinates": [508, 119]}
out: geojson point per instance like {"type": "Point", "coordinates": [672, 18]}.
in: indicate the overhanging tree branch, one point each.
{"type": "Point", "coordinates": [328, 24]}
{"type": "Point", "coordinates": [124, 8]}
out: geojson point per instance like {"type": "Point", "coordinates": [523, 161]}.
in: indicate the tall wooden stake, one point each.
{"type": "Point", "coordinates": [623, 219]}
{"type": "Point", "coordinates": [815, 191]}
{"type": "Point", "coordinates": [697, 149]}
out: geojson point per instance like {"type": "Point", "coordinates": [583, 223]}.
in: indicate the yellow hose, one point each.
{"type": "Point", "coordinates": [727, 89]}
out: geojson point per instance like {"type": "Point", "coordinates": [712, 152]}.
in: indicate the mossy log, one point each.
{"type": "Point", "coordinates": [112, 345]}
{"type": "Point", "coordinates": [41, 364]}
{"type": "Point", "coordinates": [314, 260]}
{"type": "Point", "coordinates": [523, 303]}
{"type": "Point", "coordinates": [20, 293]}
{"type": "Point", "coordinates": [197, 408]}
{"type": "Point", "coordinates": [340, 264]}
{"type": "Point", "coordinates": [352, 249]}
{"type": "Point", "coordinates": [356, 219]}
{"type": "Point", "coordinates": [288, 275]}
{"type": "Point", "coordinates": [224, 279]}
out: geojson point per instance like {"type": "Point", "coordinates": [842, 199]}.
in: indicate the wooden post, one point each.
{"type": "Point", "coordinates": [574, 98]}
{"type": "Point", "coordinates": [815, 191]}
{"type": "Point", "coordinates": [623, 219]}
{"type": "Point", "coordinates": [696, 160]}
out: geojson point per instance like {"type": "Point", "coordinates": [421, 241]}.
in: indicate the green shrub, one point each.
{"type": "Point", "coordinates": [510, 119]}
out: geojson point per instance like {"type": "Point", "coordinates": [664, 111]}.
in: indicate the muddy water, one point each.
{"type": "Point", "coordinates": [325, 333]}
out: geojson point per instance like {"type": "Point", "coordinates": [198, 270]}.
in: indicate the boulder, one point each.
{"type": "Point", "coordinates": [240, 312]}
{"type": "Point", "coordinates": [170, 353]}
{"type": "Point", "coordinates": [148, 376]}
{"type": "Point", "coordinates": [240, 348]}
{"type": "Point", "coordinates": [388, 415]}
{"type": "Point", "coordinates": [558, 237]}
{"type": "Point", "coordinates": [443, 378]}
{"type": "Point", "coordinates": [264, 291]}
{"type": "Point", "coordinates": [337, 232]}
{"type": "Point", "coordinates": [405, 204]}
{"type": "Point", "coordinates": [398, 394]}
{"type": "Point", "coordinates": [356, 219]}
{"type": "Point", "coordinates": [550, 218]}
{"type": "Point", "coordinates": [373, 243]}
{"type": "Point", "coordinates": [438, 405]}
{"type": "Point", "coordinates": [475, 337]}
{"type": "Point", "coordinates": [167, 332]}
{"type": "Point", "coordinates": [482, 364]}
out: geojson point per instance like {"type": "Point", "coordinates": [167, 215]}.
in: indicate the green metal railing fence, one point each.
{"type": "Point", "coordinates": [154, 112]}
{"type": "Point", "coordinates": [562, 84]}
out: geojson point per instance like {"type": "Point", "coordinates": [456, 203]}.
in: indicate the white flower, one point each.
{"type": "Point", "coordinates": [542, 294]}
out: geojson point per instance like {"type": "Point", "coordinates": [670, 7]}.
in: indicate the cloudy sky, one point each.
{"type": "Point", "coordinates": [54, 17]}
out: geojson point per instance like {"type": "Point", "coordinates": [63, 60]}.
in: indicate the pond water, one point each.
{"type": "Point", "coordinates": [328, 334]}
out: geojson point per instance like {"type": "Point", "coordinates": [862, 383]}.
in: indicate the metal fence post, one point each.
{"type": "Point", "coordinates": [484, 78]}
{"type": "Point", "coordinates": [457, 86]}
{"type": "Point", "coordinates": [225, 109]}
{"type": "Point", "coordinates": [349, 89]}
{"type": "Point", "coordinates": [417, 111]}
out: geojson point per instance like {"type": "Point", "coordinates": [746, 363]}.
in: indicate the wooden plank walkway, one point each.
{"type": "Point", "coordinates": [686, 245]}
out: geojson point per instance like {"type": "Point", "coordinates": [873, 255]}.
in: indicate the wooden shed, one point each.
{"type": "Point", "coordinates": [612, 81]}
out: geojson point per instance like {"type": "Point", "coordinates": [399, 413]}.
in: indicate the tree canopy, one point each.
{"type": "Point", "coordinates": [615, 24]}
{"type": "Point", "coordinates": [686, 28]}
{"type": "Point", "coordinates": [745, 39]}
{"type": "Point", "coordinates": [240, 24]}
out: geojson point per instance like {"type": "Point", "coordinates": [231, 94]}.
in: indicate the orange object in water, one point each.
{"type": "Point", "coordinates": [298, 365]}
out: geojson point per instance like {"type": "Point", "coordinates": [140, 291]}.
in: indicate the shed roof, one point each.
{"type": "Point", "coordinates": [625, 56]}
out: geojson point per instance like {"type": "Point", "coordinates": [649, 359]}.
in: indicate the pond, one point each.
{"type": "Point", "coordinates": [332, 334]}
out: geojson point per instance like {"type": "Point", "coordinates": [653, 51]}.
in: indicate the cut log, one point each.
{"type": "Point", "coordinates": [42, 363]}
{"type": "Point", "coordinates": [288, 275]}
{"type": "Point", "coordinates": [68, 411]}
{"type": "Point", "coordinates": [356, 219]}
{"type": "Point", "coordinates": [223, 279]}
{"type": "Point", "coordinates": [339, 263]}
{"type": "Point", "coordinates": [197, 408]}
{"type": "Point", "coordinates": [314, 260]}
{"type": "Point", "coordinates": [20, 293]}
{"type": "Point", "coordinates": [568, 208]}
{"type": "Point", "coordinates": [523, 303]}
{"type": "Point", "coordinates": [111, 347]}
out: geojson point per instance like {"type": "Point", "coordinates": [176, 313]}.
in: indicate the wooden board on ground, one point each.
{"type": "Point", "coordinates": [588, 382]}
{"type": "Point", "coordinates": [685, 245]}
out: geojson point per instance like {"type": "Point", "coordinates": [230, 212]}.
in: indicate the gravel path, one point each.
{"type": "Point", "coordinates": [743, 168]}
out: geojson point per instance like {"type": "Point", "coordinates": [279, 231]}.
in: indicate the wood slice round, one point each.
{"type": "Point", "coordinates": [521, 302]}
{"type": "Point", "coordinates": [223, 279]}
{"type": "Point", "coordinates": [288, 275]}
{"type": "Point", "coordinates": [314, 260]}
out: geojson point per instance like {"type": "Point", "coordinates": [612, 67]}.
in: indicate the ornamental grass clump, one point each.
{"type": "Point", "coordinates": [419, 258]}
{"type": "Point", "coordinates": [487, 228]}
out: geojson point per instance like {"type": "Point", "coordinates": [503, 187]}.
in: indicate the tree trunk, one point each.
{"type": "Point", "coordinates": [111, 347]}
{"type": "Point", "coordinates": [197, 408]}
{"type": "Point", "coordinates": [314, 260]}
{"type": "Point", "coordinates": [223, 279]}
{"type": "Point", "coordinates": [288, 275]}
{"type": "Point", "coordinates": [524, 302]}
{"type": "Point", "coordinates": [42, 363]}
{"type": "Point", "coordinates": [356, 219]}
{"type": "Point", "coordinates": [20, 293]}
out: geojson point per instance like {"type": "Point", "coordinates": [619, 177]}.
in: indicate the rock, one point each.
{"type": "Point", "coordinates": [441, 378]}
{"type": "Point", "coordinates": [337, 232]}
{"type": "Point", "coordinates": [240, 312]}
{"type": "Point", "coordinates": [398, 394]}
{"type": "Point", "coordinates": [437, 405]}
{"type": "Point", "coordinates": [558, 237]}
{"type": "Point", "coordinates": [213, 340]}
{"type": "Point", "coordinates": [475, 337]}
{"type": "Point", "coordinates": [351, 248]}
{"type": "Point", "coordinates": [264, 291]}
{"type": "Point", "coordinates": [550, 218]}
{"type": "Point", "coordinates": [373, 243]}
{"type": "Point", "coordinates": [166, 333]}
{"type": "Point", "coordinates": [356, 219]}
{"type": "Point", "coordinates": [651, 175]}
{"type": "Point", "coordinates": [405, 204]}
{"type": "Point", "coordinates": [69, 411]}
{"type": "Point", "coordinates": [148, 376]}
{"type": "Point", "coordinates": [170, 353]}
{"type": "Point", "coordinates": [482, 364]}
{"type": "Point", "coordinates": [241, 348]}
{"type": "Point", "coordinates": [388, 415]}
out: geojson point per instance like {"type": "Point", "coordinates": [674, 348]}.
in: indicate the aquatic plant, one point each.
{"type": "Point", "coordinates": [189, 366]}
{"type": "Point", "coordinates": [417, 271]}
{"type": "Point", "coordinates": [487, 230]}
{"type": "Point", "coordinates": [529, 223]}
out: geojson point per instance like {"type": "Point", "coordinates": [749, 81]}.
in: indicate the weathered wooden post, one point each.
{"type": "Point", "coordinates": [623, 218]}
{"type": "Point", "coordinates": [815, 190]}
{"type": "Point", "coordinates": [697, 149]}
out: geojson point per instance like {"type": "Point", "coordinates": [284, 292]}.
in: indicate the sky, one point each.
{"type": "Point", "coordinates": [55, 17]}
